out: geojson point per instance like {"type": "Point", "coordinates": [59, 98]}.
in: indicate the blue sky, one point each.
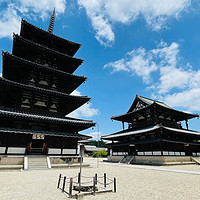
{"type": "Point", "coordinates": [145, 47]}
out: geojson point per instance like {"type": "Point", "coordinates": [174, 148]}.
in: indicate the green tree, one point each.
{"type": "Point", "coordinates": [97, 143]}
{"type": "Point", "coordinates": [101, 153]}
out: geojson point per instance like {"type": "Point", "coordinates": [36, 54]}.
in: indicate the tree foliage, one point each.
{"type": "Point", "coordinates": [101, 153]}
{"type": "Point", "coordinates": [97, 143]}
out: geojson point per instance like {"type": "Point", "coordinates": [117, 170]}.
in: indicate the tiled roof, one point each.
{"type": "Point", "coordinates": [130, 132]}
{"type": "Point", "coordinates": [31, 116]}
{"type": "Point", "coordinates": [153, 140]}
{"type": "Point", "coordinates": [46, 32]}
{"type": "Point", "coordinates": [149, 104]}
{"type": "Point", "coordinates": [39, 66]}
{"type": "Point", "coordinates": [16, 36]}
{"type": "Point", "coordinates": [33, 88]}
{"type": "Point", "coordinates": [151, 101]}
{"type": "Point", "coordinates": [50, 133]}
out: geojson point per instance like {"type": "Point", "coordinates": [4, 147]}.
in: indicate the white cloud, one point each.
{"type": "Point", "coordinates": [172, 77]}
{"type": "Point", "coordinates": [142, 63]}
{"type": "Point", "coordinates": [188, 99]}
{"type": "Point", "coordinates": [9, 22]}
{"type": "Point", "coordinates": [95, 135]}
{"type": "Point", "coordinates": [104, 33]}
{"type": "Point", "coordinates": [76, 93]}
{"type": "Point", "coordinates": [11, 15]}
{"type": "Point", "coordinates": [178, 86]}
{"type": "Point", "coordinates": [41, 7]}
{"type": "Point", "coordinates": [103, 13]}
{"type": "Point", "coordinates": [84, 111]}
{"type": "Point", "coordinates": [137, 62]}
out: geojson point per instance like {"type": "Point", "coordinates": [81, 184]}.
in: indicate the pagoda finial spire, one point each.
{"type": "Point", "coordinates": [51, 23]}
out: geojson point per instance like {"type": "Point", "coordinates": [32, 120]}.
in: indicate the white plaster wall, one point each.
{"type": "Point", "coordinates": [69, 151]}
{"type": "Point", "coordinates": [2, 149]}
{"type": "Point", "coordinates": [148, 153]}
{"type": "Point", "coordinates": [16, 150]}
{"type": "Point", "coordinates": [54, 151]}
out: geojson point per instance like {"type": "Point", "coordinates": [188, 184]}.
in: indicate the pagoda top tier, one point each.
{"type": "Point", "coordinates": [143, 108]}
{"type": "Point", "coordinates": [48, 39]}
{"type": "Point", "coordinates": [41, 54]}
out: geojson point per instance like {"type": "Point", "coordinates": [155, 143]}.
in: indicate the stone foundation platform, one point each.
{"type": "Point", "coordinates": [156, 160]}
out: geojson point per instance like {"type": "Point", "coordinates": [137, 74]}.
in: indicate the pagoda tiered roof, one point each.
{"type": "Point", "coordinates": [42, 90]}
{"type": "Point", "coordinates": [18, 69]}
{"type": "Point", "coordinates": [50, 133]}
{"type": "Point", "coordinates": [143, 107]}
{"type": "Point", "coordinates": [50, 40]}
{"type": "Point", "coordinates": [39, 53]}
{"type": "Point", "coordinates": [77, 124]}
{"type": "Point", "coordinates": [16, 90]}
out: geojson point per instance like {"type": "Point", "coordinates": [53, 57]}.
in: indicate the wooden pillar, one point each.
{"type": "Point", "coordinates": [123, 125]}
{"type": "Point", "coordinates": [61, 147]}
{"type": "Point", "coordinates": [186, 123]}
{"type": "Point", "coordinates": [161, 149]}
{"type": "Point", "coordinates": [7, 142]}
{"type": "Point", "coordinates": [154, 114]}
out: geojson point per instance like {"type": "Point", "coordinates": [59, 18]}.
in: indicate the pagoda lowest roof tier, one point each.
{"type": "Point", "coordinates": [73, 102]}
{"type": "Point", "coordinates": [131, 132]}
{"type": "Point", "coordinates": [13, 65]}
{"type": "Point", "coordinates": [41, 36]}
{"type": "Point", "coordinates": [80, 124]}
{"type": "Point", "coordinates": [50, 133]}
{"type": "Point", "coordinates": [31, 51]}
{"type": "Point", "coordinates": [149, 105]}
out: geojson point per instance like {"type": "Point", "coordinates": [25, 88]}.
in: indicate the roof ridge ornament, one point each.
{"type": "Point", "coordinates": [52, 21]}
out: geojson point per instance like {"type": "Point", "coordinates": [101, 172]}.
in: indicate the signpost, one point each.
{"type": "Point", "coordinates": [81, 154]}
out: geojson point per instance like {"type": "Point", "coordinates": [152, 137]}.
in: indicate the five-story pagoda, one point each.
{"type": "Point", "coordinates": [35, 94]}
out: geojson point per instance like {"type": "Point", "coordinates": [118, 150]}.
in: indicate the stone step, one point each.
{"type": "Point", "coordinates": [127, 159]}
{"type": "Point", "coordinates": [38, 167]}
{"type": "Point", "coordinates": [196, 160]}
{"type": "Point", "coordinates": [37, 162]}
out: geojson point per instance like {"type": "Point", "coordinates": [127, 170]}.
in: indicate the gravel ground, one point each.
{"type": "Point", "coordinates": [132, 183]}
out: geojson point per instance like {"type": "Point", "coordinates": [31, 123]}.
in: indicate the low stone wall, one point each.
{"type": "Point", "coordinates": [161, 160]}
{"type": "Point", "coordinates": [114, 158]}
{"type": "Point", "coordinates": [11, 160]}
{"type": "Point", "coordinates": [155, 160]}
{"type": "Point", "coordinates": [64, 159]}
